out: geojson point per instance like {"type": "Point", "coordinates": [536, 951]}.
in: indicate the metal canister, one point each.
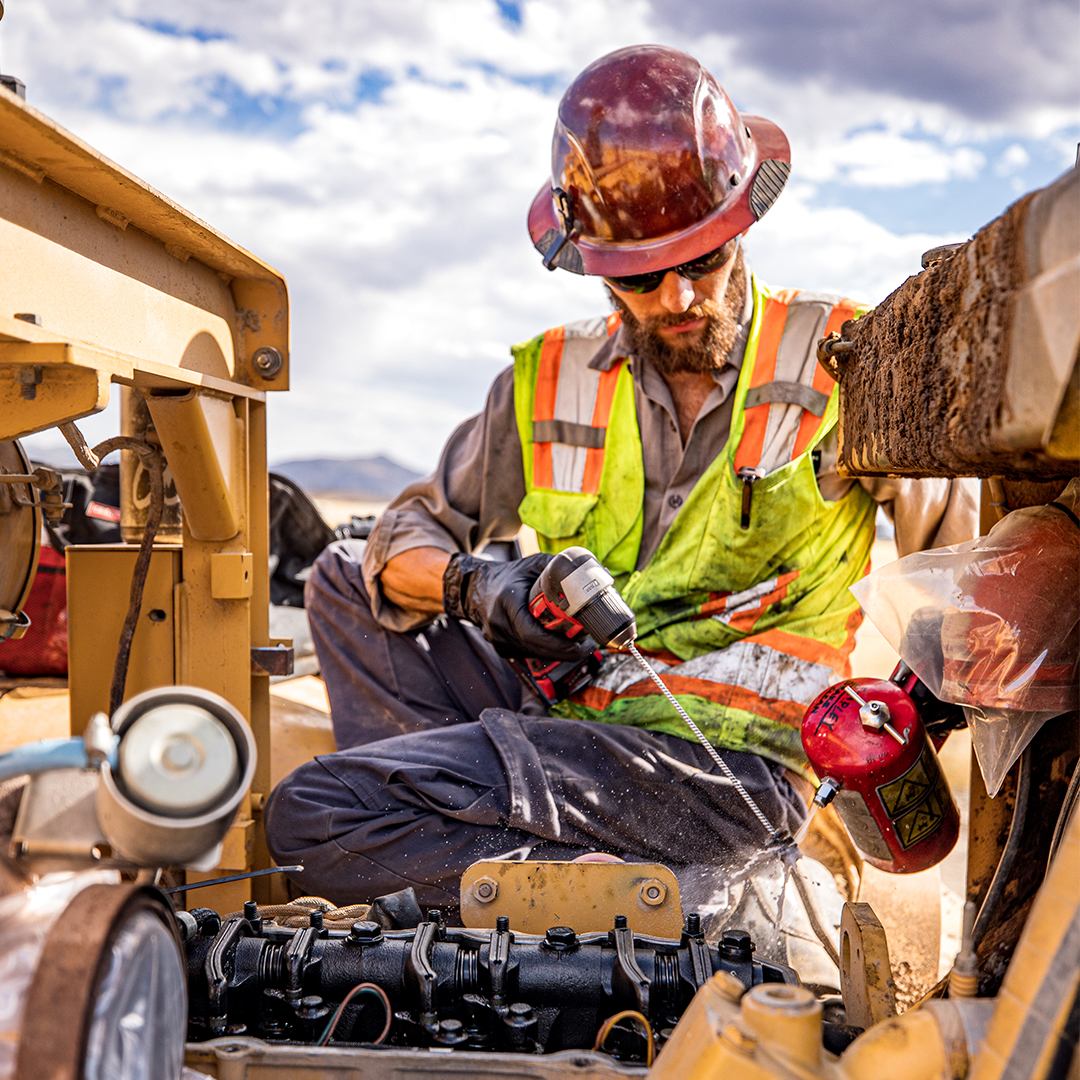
{"type": "Point", "coordinates": [869, 747]}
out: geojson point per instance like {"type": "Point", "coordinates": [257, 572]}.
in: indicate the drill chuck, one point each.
{"type": "Point", "coordinates": [581, 590]}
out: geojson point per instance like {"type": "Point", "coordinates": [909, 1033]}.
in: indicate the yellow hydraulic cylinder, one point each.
{"type": "Point", "coordinates": [1026, 1033]}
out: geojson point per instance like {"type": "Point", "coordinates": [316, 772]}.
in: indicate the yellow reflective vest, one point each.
{"type": "Point", "coordinates": [744, 606]}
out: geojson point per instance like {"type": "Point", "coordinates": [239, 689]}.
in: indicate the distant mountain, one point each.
{"type": "Point", "coordinates": [373, 477]}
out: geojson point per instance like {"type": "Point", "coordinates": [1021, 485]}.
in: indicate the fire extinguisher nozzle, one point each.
{"type": "Point", "coordinates": [826, 791]}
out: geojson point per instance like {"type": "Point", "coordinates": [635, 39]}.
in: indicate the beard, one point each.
{"type": "Point", "coordinates": [711, 344]}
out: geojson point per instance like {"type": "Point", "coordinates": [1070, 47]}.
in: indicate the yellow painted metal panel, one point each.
{"type": "Point", "coordinates": [54, 393]}
{"type": "Point", "coordinates": [231, 575]}
{"type": "Point", "coordinates": [115, 262]}
{"type": "Point", "coordinates": [586, 896]}
{"type": "Point", "coordinates": [98, 578]}
{"type": "Point", "coordinates": [200, 438]}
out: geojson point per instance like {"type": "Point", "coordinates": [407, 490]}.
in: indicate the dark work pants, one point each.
{"type": "Point", "coordinates": [440, 766]}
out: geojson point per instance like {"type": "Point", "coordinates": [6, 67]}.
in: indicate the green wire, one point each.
{"type": "Point", "coordinates": [340, 1009]}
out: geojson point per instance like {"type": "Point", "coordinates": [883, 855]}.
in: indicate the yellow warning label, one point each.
{"type": "Point", "coordinates": [921, 821]}
{"type": "Point", "coordinates": [902, 794]}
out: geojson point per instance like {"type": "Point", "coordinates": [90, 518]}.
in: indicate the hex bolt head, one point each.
{"type": "Point", "coordinates": [736, 945]}
{"type": "Point", "coordinates": [652, 892]}
{"type": "Point", "coordinates": [365, 931]}
{"type": "Point", "coordinates": [485, 890]}
{"type": "Point", "coordinates": [560, 937]}
{"type": "Point", "coordinates": [267, 361]}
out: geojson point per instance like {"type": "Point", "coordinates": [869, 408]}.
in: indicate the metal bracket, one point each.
{"type": "Point", "coordinates": [866, 979]}
{"type": "Point", "coordinates": [587, 896]}
{"type": "Point", "coordinates": [272, 660]}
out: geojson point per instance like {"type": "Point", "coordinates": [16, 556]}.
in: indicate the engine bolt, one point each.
{"type": "Point", "coordinates": [365, 931]}
{"type": "Point", "coordinates": [652, 893]}
{"type": "Point", "coordinates": [485, 890]}
{"type": "Point", "coordinates": [560, 937]}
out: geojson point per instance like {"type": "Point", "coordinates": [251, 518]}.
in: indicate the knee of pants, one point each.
{"type": "Point", "coordinates": [297, 814]}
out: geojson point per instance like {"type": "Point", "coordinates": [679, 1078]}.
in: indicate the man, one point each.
{"type": "Point", "coordinates": [688, 440]}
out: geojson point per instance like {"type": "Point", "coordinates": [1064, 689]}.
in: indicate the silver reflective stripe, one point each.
{"type": "Point", "coordinates": [575, 401]}
{"type": "Point", "coordinates": [790, 393]}
{"type": "Point", "coordinates": [766, 671]}
{"type": "Point", "coordinates": [796, 362]}
{"type": "Point", "coordinates": [568, 433]}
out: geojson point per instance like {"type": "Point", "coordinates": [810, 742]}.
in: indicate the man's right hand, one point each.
{"type": "Point", "coordinates": [495, 596]}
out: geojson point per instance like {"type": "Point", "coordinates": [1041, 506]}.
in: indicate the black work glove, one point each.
{"type": "Point", "coordinates": [495, 596]}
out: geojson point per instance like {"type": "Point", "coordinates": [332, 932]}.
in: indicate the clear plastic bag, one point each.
{"type": "Point", "coordinates": [991, 625]}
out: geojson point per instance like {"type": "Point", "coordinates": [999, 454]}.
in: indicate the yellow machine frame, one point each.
{"type": "Point", "coordinates": [115, 284]}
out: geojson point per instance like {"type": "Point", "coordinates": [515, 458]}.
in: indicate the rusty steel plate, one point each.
{"type": "Point", "coordinates": [535, 896]}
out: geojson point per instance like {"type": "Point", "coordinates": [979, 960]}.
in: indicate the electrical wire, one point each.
{"type": "Point", "coordinates": [735, 781]}
{"type": "Point", "coordinates": [1012, 845]}
{"type": "Point", "coordinates": [814, 918]}
{"type": "Point", "coordinates": [360, 988]}
{"type": "Point", "coordinates": [628, 1014]}
{"type": "Point", "coordinates": [155, 469]}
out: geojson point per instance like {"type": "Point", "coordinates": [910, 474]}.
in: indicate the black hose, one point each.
{"type": "Point", "coordinates": [1008, 856]}
{"type": "Point", "coordinates": [1066, 812]}
{"type": "Point", "coordinates": [154, 467]}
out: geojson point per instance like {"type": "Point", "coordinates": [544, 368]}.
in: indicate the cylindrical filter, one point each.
{"type": "Point", "coordinates": [186, 760]}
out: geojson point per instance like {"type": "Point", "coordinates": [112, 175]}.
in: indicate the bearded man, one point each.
{"type": "Point", "coordinates": [689, 440]}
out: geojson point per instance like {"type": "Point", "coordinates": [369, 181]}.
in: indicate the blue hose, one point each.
{"type": "Point", "coordinates": [42, 756]}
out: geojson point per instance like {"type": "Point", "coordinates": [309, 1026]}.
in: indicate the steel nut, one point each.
{"type": "Point", "coordinates": [653, 893]}
{"type": "Point", "coordinates": [485, 890]}
{"type": "Point", "coordinates": [267, 361]}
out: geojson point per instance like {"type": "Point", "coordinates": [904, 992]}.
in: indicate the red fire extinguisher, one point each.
{"type": "Point", "coordinates": [868, 745]}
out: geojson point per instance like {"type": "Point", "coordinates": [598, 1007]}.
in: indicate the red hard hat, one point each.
{"type": "Point", "coordinates": [652, 166]}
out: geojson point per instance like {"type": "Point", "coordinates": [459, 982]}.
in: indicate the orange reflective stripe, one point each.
{"type": "Point", "coordinates": [809, 425]}
{"type": "Point", "coordinates": [737, 697]}
{"type": "Point", "coordinates": [614, 321]}
{"type": "Point", "coordinates": [745, 620]}
{"type": "Point", "coordinates": [594, 456]}
{"type": "Point", "coordinates": [816, 652]}
{"type": "Point", "coordinates": [547, 384]}
{"type": "Point", "coordinates": [755, 420]}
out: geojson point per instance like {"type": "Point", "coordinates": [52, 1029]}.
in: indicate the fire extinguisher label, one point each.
{"type": "Point", "coordinates": [915, 802]}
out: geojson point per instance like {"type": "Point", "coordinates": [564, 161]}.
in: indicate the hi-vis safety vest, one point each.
{"type": "Point", "coordinates": [744, 607]}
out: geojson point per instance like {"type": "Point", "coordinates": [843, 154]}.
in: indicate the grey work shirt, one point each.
{"type": "Point", "coordinates": [474, 493]}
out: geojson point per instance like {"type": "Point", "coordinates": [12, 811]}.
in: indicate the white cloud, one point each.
{"type": "Point", "coordinates": [886, 159]}
{"type": "Point", "coordinates": [398, 217]}
{"type": "Point", "coordinates": [834, 249]}
{"type": "Point", "coordinates": [1013, 160]}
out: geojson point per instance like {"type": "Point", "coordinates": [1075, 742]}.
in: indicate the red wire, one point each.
{"type": "Point", "coordinates": [370, 988]}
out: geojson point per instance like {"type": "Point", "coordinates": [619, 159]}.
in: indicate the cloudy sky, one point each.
{"type": "Point", "coordinates": [382, 155]}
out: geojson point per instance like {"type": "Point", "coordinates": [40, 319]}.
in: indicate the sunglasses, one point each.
{"type": "Point", "coordinates": [694, 270]}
